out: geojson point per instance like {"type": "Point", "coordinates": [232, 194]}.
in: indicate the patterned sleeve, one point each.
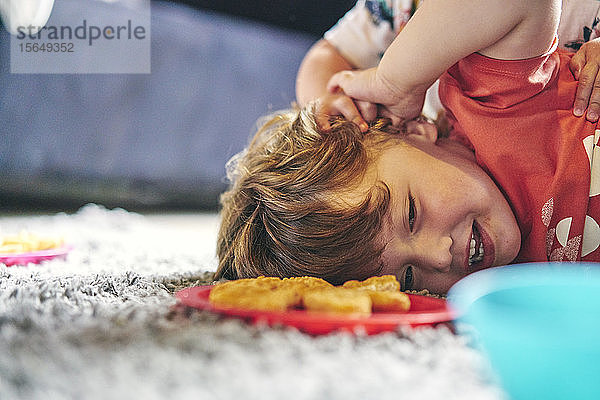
{"type": "Point", "coordinates": [579, 23]}
{"type": "Point", "coordinates": [365, 32]}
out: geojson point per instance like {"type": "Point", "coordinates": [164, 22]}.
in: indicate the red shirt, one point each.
{"type": "Point", "coordinates": [517, 116]}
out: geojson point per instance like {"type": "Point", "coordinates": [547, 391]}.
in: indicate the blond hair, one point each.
{"type": "Point", "coordinates": [284, 213]}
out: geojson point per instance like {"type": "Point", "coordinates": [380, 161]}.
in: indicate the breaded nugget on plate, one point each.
{"type": "Point", "coordinates": [388, 301]}
{"type": "Point", "coordinates": [379, 293]}
{"type": "Point", "coordinates": [261, 293]}
{"type": "Point", "coordinates": [26, 242]}
{"type": "Point", "coordinates": [260, 282]}
{"type": "Point", "coordinates": [337, 300]}
{"type": "Point", "coordinates": [279, 299]}
{"type": "Point", "coordinates": [378, 283]}
{"type": "Point", "coordinates": [269, 282]}
{"type": "Point", "coordinates": [304, 283]}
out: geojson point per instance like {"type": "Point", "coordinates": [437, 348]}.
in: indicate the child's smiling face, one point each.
{"type": "Point", "coordinates": [446, 218]}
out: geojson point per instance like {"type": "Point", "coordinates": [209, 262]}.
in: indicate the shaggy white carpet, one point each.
{"type": "Point", "coordinates": [100, 325]}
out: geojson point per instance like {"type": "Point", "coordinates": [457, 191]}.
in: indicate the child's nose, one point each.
{"type": "Point", "coordinates": [435, 254]}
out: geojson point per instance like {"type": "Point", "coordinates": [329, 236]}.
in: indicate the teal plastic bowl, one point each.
{"type": "Point", "coordinates": [539, 325]}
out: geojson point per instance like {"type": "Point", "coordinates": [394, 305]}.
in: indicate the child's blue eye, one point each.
{"type": "Point", "coordinates": [408, 278]}
{"type": "Point", "coordinates": [411, 212]}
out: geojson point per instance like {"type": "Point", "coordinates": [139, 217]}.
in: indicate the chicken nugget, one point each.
{"type": "Point", "coordinates": [388, 301]}
{"type": "Point", "coordinates": [304, 283]}
{"type": "Point", "coordinates": [49, 243]}
{"type": "Point", "coordinates": [255, 298]}
{"type": "Point", "coordinates": [12, 248]}
{"type": "Point", "coordinates": [260, 282]}
{"type": "Point", "coordinates": [262, 293]}
{"type": "Point", "coordinates": [26, 242]}
{"type": "Point", "coordinates": [337, 300]}
{"type": "Point", "coordinates": [269, 282]}
{"type": "Point", "coordinates": [378, 283]}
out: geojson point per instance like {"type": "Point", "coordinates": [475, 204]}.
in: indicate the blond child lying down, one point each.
{"type": "Point", "coordinates": [513, 182]}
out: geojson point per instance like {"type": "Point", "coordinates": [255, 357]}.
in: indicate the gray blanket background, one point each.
{"type": "Point", "coordinates": [101, 325]}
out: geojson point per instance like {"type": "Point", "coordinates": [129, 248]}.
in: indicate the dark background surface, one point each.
{"type": "Point", "coordinates": [314, 16]}
{"type": "Point", "coordinates": [161, 140]}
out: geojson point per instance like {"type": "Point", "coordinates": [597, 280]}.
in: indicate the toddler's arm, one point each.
{"type": "Point", "coordinates": [509, 29]}
{"type": "Point", "coordinates": [357, 41]}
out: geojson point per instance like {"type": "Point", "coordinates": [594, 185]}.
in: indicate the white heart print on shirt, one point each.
{"type": "Point", "coordinates": [591, 229]}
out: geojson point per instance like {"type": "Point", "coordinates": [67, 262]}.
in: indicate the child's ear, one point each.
{"type": "Point", "coordinates": [424, 130]}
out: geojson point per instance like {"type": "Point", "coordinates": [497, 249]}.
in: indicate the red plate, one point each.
{"type": "Point", "coordinates": [423, 311]}
{"type": "Point", "coordinates": [34, 257]}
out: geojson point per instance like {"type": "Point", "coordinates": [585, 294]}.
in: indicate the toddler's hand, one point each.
{"type": "Point", "coordinates": [585, 66]}
{"type": "Point", "coordinates": [359, 112]}
{"type": "Point", "coordinates": [366, 85]}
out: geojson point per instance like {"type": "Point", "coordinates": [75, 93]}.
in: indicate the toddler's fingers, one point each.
{"type": "Point", "coordinates": [386, 113]}
{"type": "Point", "coordinates": [356, 84]}
{"type": "Point", "coordinates": [323, 121]}
{"type": "Point", "coordinates": [367, 110]}
{"type": "Point", "coordinates": [594, 104]}
{"type": "Point", "coordinates": [322, 114]}
{"type": "Point", "coordinates": [337, 81]}
{"type": "Point", "coordinates": [576, 64]}
{"type": "Point", "coordinates": [587, 81]}
{"type": "Point", "coordinates": [346, 107]}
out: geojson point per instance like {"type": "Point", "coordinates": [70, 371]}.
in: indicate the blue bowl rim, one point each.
{"type": "Point", "coordinates": [478, 284]}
